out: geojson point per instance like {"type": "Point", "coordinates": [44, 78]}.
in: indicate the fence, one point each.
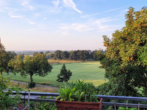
{"type": "Point", "coordinates": [138, 99]}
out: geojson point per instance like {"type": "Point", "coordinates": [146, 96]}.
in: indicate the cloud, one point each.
{"type": "Point", "coordinates": [30, 22]}
{"type": "Point", "coordinates": [36, 14]}
{"type": "Point", "coordinates": [124, 11]}
{"type": "Point", "coordinates": [2, 2]}
{"type": "Point", "coordinates": [42, 26]}
{"type": "Point", "coordinates": [75, 26]}
{"type": "Point", "coordinates": [97, 25]}
{"type": "Point", "coordinates": [64, 33]}
{"type": "Point", "coordinates": [71, 4]}
{"type": "Point", "coordinates": [85, 16]}
{"type": "Point", "coordinates": [56, 3]}
{"type": "Point", "coordinates": [14, 16]}
{"type": "Point", "coordinates": [26, 4]}
{"type": "Point", "coordinates": [44, 18]}
{"type": "Point", "coordinates": [100, 26]}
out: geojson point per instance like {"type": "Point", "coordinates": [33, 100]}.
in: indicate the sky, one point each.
{"type": "Point", "coordinates": [61, 24]}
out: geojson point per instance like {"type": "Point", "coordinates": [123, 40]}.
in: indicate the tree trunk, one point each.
{"type": "Point", "coordinates": [31, 78]}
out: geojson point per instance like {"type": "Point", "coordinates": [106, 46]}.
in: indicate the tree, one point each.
{"type": "Point", "coordinates": [100, 54]}
{"type": "Point", "coordinates": [37, 65]}
{"type": "Point", "coordinates": [22, 56]}
{"type": "Point", "coordinates": [47, 52]}
{"type": "Point", "coordinates": [94, 55]}
{"type": "Point", "coordinates": [35, 53]}
{"type": "Point", "coordinates": [5, 57]}
{"type": "Point", "coordinates": [2, 57]}
{"type": "Point", "coordinates": [12, 54]}
{"type": "Point", "coordinates": [64, 75]}
{"type": "Point", "coordinates": [41, 52]}
{"type": "Point", "coordinates": [64, 55]}
{"type": "Point", "coordinates": [124, 70]}
{"type": "Point", "coordinates": [6, 99]}
{"type": "Point", "coordinates": [57, 54]}
{"type": "Point", "coordinates": [73, 55]}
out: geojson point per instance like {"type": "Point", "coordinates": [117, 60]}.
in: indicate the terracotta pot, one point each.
{"type": "Point", "coordinates": [73, 105]}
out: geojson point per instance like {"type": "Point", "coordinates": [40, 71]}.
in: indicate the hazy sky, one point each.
{"type": "Point", "coordinates": [61, 24]}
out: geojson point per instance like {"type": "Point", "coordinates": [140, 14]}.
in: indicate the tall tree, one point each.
{"type": "Point", "coordinates": [94, 55]}
{"type": "Point", "coordinates": [124, 70]}
{"type": "Point", "coordinates": [5, 57]}
{"type": "Point", "coordinates": [2, 57]}
{"type": "Point", "coordinates": [47, 52]}
{"type": "Point", "coordinates": [73, 55]}
{"type": "Point", "coordinates": [21, 56]}
{"type": "Point", "coordinates": [37, 65]}
{"type": "Point", "coordinates": [64, 75]}
{"type": "Point", "coordinates": [64, 55]}
{"type": "Point", "coordinates": [57, 54]}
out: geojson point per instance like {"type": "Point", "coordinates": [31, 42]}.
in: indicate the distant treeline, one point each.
{"type": "Point", "coordinates": [68, 55]}
{"type": "Point", "coordinates": [75, 55]}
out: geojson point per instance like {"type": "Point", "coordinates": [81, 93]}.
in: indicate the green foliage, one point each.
{"type": "Point", "coordinates": [124, 70]}
{"type": "Point", "coordinates": [21, 56]}
{"type": "Point", "coordinates": [100, 55]}
{"type": "Point", "coordinates": [57, 54]}
{"type": "Point", "coordinates": [87, 90]}
{"type": "Point", "coordinates": [123, 108]}
{"type": "Point", "coordinates": [64, 55]}
{"type": "Point", "coordinates": [6, 100]}
{"type": "Point", "coordinates": [75, 55]}
{"type": "Point", "coordinates": [31, 84]}
{"type": "Point", "coordinates": [5, 57]}
{"type": "Point", "coordinates": [37, 65]}
{"type": "Point", "coordinates": [78, 91]}
{"type": "Point", "coordinates": [66, 94]}
{"type": "Point", "coordinates": [43, 105]}
{"type": "Point", "coordinates": [64, 75]}
{"type": "Point", "coordinates": [79, 70]}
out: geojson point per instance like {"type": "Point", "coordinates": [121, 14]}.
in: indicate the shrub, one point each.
{"type": "Point", "coordinates": [43, 105]}
{"type": "Point", "coordinates": [31, 85]}
{"type": "Point", "coordinates": [78, 91]}
{"type": "Point", "coordinates": [6, 99]}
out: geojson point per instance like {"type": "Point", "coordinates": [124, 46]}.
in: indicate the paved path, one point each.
{"type": "Point", "coordinates": [37, 85]}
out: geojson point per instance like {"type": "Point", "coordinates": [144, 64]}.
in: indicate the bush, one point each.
{"type": "Point", "coordinates": [31, 85]}
{"type": "Point", "coordinates": [6, 99]}
{"type": "Point", "coordinates": [43, 105]}
{"type": "Point", "coordinates": [78, 91]}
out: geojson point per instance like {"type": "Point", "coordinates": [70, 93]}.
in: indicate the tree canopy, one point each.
{"type": "Point", "coordinates": [124, 70]}
{"type": "Point", "coordinates": [5, 57]}
{"type": "Point", "coordinates": [64, 75]}
{"type": "Point", "coordinates": [37, 65]}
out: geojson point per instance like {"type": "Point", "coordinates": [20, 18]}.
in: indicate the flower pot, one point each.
{"type": "Point", "coordinates": [74, 105]}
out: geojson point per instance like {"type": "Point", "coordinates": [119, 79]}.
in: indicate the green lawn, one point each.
{"type": "Point", "coordinates": [87, 71]}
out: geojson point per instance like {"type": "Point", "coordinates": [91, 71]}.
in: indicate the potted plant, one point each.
{"type": "Point", "coordinates": [78, 96]}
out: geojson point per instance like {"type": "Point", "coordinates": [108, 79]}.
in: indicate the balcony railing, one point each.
{"type": "Point", "coordinates": [32, 96]}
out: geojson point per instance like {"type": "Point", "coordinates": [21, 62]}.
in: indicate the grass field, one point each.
{"type": "Point", "coordinates": [87, 71]}
{"type": "Point", "coordinates": [35, 89]}
{"type": "Point", "coordinates": [52, 61]}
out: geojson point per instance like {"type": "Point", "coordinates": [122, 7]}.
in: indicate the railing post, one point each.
{"type": "Point", "coordinates": [24, 98]}
{"type": "Point", "coordinates": [114, 105]}
{"type": "Point", "coordinates": [127, 104]}
{"type": "Point", "coordinates": [138, 105]}
{"type": "Point", "coordinates": [28, 100]}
